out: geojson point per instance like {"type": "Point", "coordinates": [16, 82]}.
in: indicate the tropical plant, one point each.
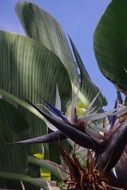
{"type": "Point", "coordinates": [48, 96]}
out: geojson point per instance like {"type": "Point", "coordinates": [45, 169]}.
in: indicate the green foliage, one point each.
{"type": "Point", "coordinates": [87, 87]}
{"type": "Point", "coordinates": [40, 72]}
{"type": "Point", "coordinates": [32, 73]}
{"type": "Point", "coordinates": [110, 39]}
{"type": "Point", "coordinates": [10, 118]}
{"type": "Point", "coordinates": [111, 54]}
{"type": "Point", "coordinates": [42, 27]}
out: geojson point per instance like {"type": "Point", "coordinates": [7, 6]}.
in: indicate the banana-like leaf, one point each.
{"type": "Point", "coordinates": [12, 118]}
{"type": "Point", "coordinates": [22, 103]}
{"type": "Point", "coordinates": [46, 138]}
{"type": "Point", "coordinates": [110, 44]}
{"type": "Point", "coordinates": [39, 25]}
{"type": "Point", "coordinates": [13, 158]}
{"type": "Point", "coordinates": [87, 87]}
{"type": "Point", "coordinates": [32, 68]}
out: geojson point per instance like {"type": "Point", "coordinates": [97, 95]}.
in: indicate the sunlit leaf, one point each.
{"type": "Point", "coordinates": [87, 87]}
{"type": "Point", "coordinates": [42, 27]}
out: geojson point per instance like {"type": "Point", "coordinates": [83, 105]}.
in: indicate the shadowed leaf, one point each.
{"type": "Point", "coordinates": [110, 44]}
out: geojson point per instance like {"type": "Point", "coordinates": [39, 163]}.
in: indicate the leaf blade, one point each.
{"type": "Point", "coordinates": [110, 44]}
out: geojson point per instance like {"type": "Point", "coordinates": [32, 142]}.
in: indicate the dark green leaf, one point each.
{"type": "Point", "coordinates": [13, 126]}
{"type": "Point", "coordinates": [110, 43]}
{"type": "Point", "coordinates": [33, 72]}
{"type": "Point", "coordinates": [88, 88]}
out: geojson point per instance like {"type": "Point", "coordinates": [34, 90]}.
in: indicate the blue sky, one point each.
{"type": "Point", "coordinates": [78, 19]}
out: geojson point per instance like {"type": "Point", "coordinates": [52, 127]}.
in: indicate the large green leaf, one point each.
{"type": "Point", "coordinates": [39, 25]}
{"type": "Point", "coordinates": [27, 69]}
{"type": "Point", "coordinates": [33, 72]}
{"type": "Point", "coordinates": [87, 87]}
{"type": "Point", "coordinates": [12, 118]}
{"type": "Point", "coordinates": [22, 103]}
{"type": "Point", "coordinates": [13, 158]}
{"type": "Point", "coordinates": [17, 101]}
{"type": "Point", "coordinates": [13, 126]}
{"type": "Point", "coordinates": [110, 43]}
{"type": "Point", "coordinates": [32, 69]}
